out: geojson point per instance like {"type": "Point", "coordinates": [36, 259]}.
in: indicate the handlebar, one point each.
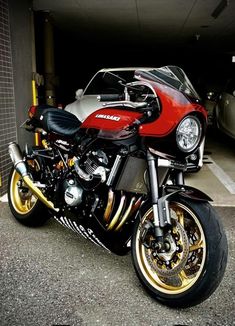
{"type": "Point", "coordinates": [109, 97]}
{"type": "Point", "coordinates": [149, 106]}
{"type": "Point", "coordinates": [137, 106]}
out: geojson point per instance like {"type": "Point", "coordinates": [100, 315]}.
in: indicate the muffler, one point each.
{"type": "Point", "coordinates": [20, 167]}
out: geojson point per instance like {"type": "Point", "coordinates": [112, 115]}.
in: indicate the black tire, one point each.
{"type": "Point", "coordinates": [25, 207]}
{"type": "Point", "coordinates": [208, 249]}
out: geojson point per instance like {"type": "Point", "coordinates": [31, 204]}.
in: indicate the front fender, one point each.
{"type": "Point", "coordinates": [173, 191]}
{"type": "Point", "coordinates": [170, 193]}
{"type": "Point", "coordinates": [186, 192]}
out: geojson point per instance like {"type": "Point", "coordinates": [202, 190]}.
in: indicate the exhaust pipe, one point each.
{"type": "Point", "coordinates": [20, 167]}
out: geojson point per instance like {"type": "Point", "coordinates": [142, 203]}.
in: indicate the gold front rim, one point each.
{"type": "Point", "coordinates": [177, 272]}
{"type": "Point", "coordinates": [22, 198]}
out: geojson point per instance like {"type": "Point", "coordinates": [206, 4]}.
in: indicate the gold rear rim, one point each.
{"type": "Point", "coordinates": [22, 198]}
{"type": "Point", "coordinates": [178, 271]}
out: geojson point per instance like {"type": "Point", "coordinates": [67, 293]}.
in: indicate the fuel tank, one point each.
{"type": "Point", "coordinates": [112, 123]}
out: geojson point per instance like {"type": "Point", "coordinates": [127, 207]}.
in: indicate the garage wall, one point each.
{"type": "Point", "coordinates": [15, 78]}
{"type": "Point", "coordinates": [7, 100]}
{"type": "Point", "coordinates": [21, 46]}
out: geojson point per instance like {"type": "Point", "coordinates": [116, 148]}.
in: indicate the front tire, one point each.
{"type": "Point", "coordinates": [194, 265]}
{"type": "Point", "coordinates": [25, 207]}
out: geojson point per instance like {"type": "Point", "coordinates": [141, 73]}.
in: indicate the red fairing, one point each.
{"type": "Point", "coordinates": [174, 107]}
{"type": "Point", "coordinates": [109, 119]}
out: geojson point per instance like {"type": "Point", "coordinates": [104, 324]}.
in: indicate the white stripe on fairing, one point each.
{"type": "Point", "coordinates": [68, 224]}
{"type": "Point", "coordinates": [84, 232]}
{"type": "Point", "coordinates": [75, 228]}
{"type": "Point", "coordinates": [226, 181]}
{"type": "Point", "coordinates": [90, 236]}
{"type": "Point", "coordinates": [72, 226]}
{"type": "Point", "coordinates": [58, 220]}
{"type": "Point", "coordinates": [78, 230]}
{"type": "Point", "coordinates": [64, 220]}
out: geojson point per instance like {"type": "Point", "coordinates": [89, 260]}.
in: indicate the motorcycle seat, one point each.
{"type": "Point", "coordinates": [59, 121]}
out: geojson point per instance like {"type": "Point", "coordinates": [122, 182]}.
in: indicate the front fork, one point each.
{"type": "Point", "coordinates": [161, 216]}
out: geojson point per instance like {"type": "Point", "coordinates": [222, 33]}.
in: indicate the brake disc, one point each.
{"type": "Point", "coordinates": [172, 262]}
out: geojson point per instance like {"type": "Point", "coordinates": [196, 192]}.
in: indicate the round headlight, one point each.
{"type": "Point", "coordinates": [188, 134]}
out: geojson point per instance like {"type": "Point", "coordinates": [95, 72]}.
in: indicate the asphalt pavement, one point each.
{"type": "Point", "coordinates": [51, 276]}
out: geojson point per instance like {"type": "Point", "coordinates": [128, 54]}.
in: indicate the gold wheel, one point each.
{"type": "Point", "coordinates": [178, 269]}
{"type": "Point", "coordinates": [22, 198]}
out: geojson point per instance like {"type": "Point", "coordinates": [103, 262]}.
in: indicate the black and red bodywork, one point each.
{"type": "Point", "coordinates": [115, 123]}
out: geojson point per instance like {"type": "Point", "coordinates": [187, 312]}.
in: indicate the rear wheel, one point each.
{"type": "Point", "coordinates": [25, 206]}
{"type": "Point", "coordinates": [194, 263]}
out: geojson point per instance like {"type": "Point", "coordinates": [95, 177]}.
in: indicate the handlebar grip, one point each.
{"type": "Point", "coordinates": [109, 97]}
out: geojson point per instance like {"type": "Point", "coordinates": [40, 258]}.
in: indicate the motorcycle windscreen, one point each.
{"type": "Point", "coordinates": [171, 76]}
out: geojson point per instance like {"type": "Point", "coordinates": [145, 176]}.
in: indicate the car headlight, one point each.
{"type": "Point", "coordinates": [188, 134]}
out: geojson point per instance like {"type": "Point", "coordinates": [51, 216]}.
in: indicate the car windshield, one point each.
{"type": "Point", "coordinates": [172, 76]}
{"type": "Point", "coordinates": [99, 85]}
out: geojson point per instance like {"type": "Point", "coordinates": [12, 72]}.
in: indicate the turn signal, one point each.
{"type": "Point", "coordinates": [32, 111]}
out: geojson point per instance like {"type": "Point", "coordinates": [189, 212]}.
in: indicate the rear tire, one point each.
{"type": "Point", "coordinates": [25, 207]}
{"type": "Point", "coordinates": [189, 276]}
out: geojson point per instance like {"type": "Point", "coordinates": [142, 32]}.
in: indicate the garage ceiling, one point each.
{"type": "Point", "coordinates": [146, 22]}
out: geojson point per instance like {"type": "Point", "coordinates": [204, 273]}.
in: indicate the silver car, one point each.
{"type": "Point", "coordinates": [86, 100]}
{"type": "Point", "coordinates": [225, 110]}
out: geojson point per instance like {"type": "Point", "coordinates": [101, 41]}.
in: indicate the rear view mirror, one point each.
{"type": "Point", "coordinates": [79, 93]}
{"type": "Point", "coordinates": [234, 93]}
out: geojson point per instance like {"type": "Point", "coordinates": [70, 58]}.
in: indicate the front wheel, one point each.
{"type": "Point", "coordinates": [193, 265]}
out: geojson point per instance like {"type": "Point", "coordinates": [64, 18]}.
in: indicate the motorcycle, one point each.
{"type": "Point", "coordinates": [117, 179]}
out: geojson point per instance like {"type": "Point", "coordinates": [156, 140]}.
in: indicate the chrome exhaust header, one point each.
{"type": "Point", "coordinates": [20, 167]}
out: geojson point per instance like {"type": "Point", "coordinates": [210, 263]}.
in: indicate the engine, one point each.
{"type": "Point", "coordinates": [92, 184]}
{"type": "Point", "coordinates": [96, 164]}
{"type": "Point", "coordinates": [90, 171]}
{"type": "Point", "coordinates": [93, 166]}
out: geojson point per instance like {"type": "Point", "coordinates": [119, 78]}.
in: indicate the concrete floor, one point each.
{"type": "Point", "coordinates": [217, 176]}
{"type": "Point", "coordinates": [50, 276]}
